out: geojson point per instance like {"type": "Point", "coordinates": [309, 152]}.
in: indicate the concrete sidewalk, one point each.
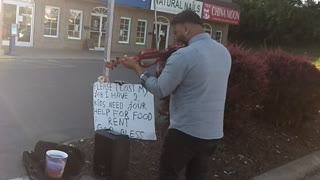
{"type": "Point", "coordinates": [31, 53]}
{"type": "Point", "coordinates": [6, 58]}
{"type": "Point", "coordinates": [55, 54]}
{"type": "Point", "coordinates": [304, 168]}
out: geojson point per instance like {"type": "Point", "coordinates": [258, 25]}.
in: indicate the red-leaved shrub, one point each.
{"type": "Point", "coordinates": [247, 82]}
{"type": "Point", "coordinates": [293, 97]}
{"type": "Point", "coordinates": [280, 87]}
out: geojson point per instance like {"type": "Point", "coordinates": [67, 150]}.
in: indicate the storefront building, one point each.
{"type": "Point", "coordinates": [81, 24]}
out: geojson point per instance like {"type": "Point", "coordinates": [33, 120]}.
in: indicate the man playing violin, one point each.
{"type": "Point", "coordinates": [196, 78]}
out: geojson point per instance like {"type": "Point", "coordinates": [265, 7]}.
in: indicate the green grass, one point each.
{"type": "Point", "coordinates": [317, 62]}
{"type": "Point", "coordinates": [311, 50]}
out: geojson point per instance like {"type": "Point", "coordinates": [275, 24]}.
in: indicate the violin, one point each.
{"type": "Point", "coordinates": [148, 57]}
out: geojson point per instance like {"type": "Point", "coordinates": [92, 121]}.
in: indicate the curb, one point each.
{"type": "Point", "coordinates": [76, 140]}
{"type": "Point", "coordinates": [294, 170]}
{"type": "Point", "coordinates": [6, 58]}
{"type": "Point", "coordinates": [62, 58]}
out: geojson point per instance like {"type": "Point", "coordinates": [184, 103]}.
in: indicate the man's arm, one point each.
{"type": "Point", "coordinates": [171, 76]}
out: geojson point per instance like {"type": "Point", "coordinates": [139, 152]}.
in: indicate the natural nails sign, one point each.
{"type": "Point", "coordinates": [127, 109]}
{"type": "Point", "coordinates": [176, 6]}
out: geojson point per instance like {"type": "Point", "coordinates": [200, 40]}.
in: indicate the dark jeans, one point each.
{"type": "Point", "coordinates": [182, 150]}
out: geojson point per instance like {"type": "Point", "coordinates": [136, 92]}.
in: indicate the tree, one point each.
{"type": "Point", "coordinates": [275, 22]}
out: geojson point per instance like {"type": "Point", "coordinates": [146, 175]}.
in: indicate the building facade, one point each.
{"type": "Point", "coordinates": [81, 24]}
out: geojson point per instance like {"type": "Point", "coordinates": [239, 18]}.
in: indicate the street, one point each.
{"type": "Point", "coordinates": [46, 100]}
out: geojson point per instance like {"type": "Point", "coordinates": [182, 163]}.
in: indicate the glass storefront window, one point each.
{"type": "Point", "coordinates": [75, 24]}
{"type": "Point", "coordinates": [207, 28]}
{"type": "Point", "coordinates": [219, 36]}
{"type": "Point", "coordinates": [141, 32]}
{"type": "Point", "coordinates": [124, 30]}
{"type": "Point", "coordinates": [24, 28]}
{"type": "Point", "coordinates": [9, 17]}
{"type": "Point", "coordinates": [51, 21]}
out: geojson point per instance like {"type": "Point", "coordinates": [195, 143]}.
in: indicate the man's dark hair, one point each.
{"type": "Point", "coordinates": [186, 16]}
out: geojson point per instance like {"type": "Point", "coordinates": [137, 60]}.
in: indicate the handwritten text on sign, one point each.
{"type": "Point", "coordinates": [127, 109]}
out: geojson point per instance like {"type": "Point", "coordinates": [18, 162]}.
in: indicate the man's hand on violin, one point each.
{"type": "Point", "coordinates": [103, 79]}
{"type": "Point", "coordinates": [132, 63]}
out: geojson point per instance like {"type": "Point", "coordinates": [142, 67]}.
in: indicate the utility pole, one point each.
{"type": "Point", "coordinates": [1, 26]}
{"type": "Point", "coordinates": [156, 25]}
{"type": "Point", "coordinates": [108, 40]}
{"type": "Point", "coordinates": [157, 37]}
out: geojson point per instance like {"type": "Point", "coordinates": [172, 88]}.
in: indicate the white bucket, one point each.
{"type": "Point", "coordinates": [55, 163]}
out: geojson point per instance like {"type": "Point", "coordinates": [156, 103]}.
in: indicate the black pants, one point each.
{"type": "Point", "coordinates": [182, 150]}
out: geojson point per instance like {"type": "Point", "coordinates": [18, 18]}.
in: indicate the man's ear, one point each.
{"type": "Point", "coordinates": [186, 28]}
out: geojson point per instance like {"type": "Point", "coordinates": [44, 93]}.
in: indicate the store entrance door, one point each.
{"type": "Point", "coordinates": [98, 28]}
{"type": "Point", "coordinates": [20, 14]}
{"type": "Point", "coordinates": [162, 36]}
{"type": "Point", "coordinates": [162, 32]}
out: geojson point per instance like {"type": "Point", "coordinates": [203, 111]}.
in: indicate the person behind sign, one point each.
{"type": "Point", "coordinates": [196, 79]}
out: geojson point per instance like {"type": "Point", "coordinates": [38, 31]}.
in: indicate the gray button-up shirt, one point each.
{"type": "Point", "coordinates": [196, 77]}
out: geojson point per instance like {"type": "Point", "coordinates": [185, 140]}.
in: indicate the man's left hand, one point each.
{"type": "Point", "coordinates": [132, 63]}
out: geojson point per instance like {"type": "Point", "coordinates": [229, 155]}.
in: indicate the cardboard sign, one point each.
{"type": "Point", "coordinates": [127, 109]}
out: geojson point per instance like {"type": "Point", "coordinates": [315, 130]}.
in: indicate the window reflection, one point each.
{"type": "Point", "coordinates": [75, 24]}
{"type": "Point", "coordinates": [51, 21]}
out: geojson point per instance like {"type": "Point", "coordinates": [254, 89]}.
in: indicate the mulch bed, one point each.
{"type": "Point", "coordinates": [249, 148]}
